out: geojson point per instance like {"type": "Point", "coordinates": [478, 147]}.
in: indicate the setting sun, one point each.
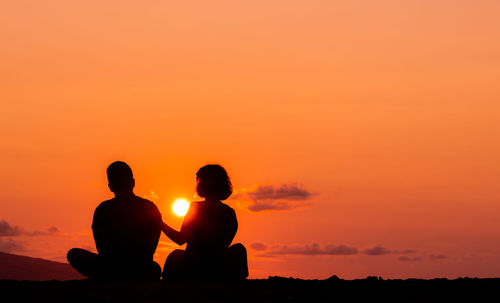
{"type": "Point", "coordinates": [180, 207]}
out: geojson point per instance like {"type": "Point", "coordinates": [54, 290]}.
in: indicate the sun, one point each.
{"type": "Point", "coordinates": [180, 207]}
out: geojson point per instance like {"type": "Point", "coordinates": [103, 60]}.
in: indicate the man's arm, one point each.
{"type": "Point", "coordinates": [154, 227]}
{"type": "Point", "coordinates": [97, 231]}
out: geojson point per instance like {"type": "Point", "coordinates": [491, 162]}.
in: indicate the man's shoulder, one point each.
{"type": "Point", "coordinates": [114, 204]}
{"type": "Point", "coordinates": [102, 212]}
{"type": "Point", "coordinates": [147, 202]}
{"type": "Point", "coordinates": [105, 204]}
{"type": "Point", "coordinates": [148, 207]}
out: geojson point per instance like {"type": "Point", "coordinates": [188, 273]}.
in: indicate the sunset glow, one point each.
{"type": "Point", "coordinates": [361, 136]}
{"type": "Point", "coordinates": [180, 207]}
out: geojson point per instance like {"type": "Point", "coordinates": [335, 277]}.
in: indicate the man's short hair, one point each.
{"type": "Point", "coordinates": [120, 177]}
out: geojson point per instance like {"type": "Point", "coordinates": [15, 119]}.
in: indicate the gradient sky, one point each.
{"type": "Point", "coordinates": [362, 137]}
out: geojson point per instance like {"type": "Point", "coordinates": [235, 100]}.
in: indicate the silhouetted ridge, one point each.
{"type": "Point", "coordinates": [16, 267]}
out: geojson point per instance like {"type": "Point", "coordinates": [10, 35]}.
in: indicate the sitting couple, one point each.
{"type": "Point", "coordinates": [127, 229]}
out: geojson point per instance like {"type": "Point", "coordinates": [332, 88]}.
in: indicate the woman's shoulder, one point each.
{"type": "Point", "coordinates": [228, 209]}
{"type": "Point", "coordinates": [218, 206]}
{"type": "Point", "coordinates": [196, 204]}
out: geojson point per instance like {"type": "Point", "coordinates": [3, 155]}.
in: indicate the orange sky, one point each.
{"type": "Point", "coordinates": [382, 114]}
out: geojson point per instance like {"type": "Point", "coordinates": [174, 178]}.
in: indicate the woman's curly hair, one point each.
{"type": "Point", "coordinates": [213, 182]}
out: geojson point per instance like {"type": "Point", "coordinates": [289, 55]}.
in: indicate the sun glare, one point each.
{"type": "Point", "coordinates": [180, 207]}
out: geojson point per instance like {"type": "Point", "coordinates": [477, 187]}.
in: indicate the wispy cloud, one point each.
{"type": "Point", "coordinates": [153, 196]}
{"type": "Point", "coordinates": [409, 251]}
{"type": "Point", "coordinates": [50, 243]}
{"type": "Point", "coordinates": [437, 257]}
{"type": "Point", "coordinates": [315, 249]}
{"type": "Point", "coordinates": [409, 259]}
{"type": "Point", "coordinates": [308, 250]}
{"type": "Point", "coordinates": [273, 197]}
{"type": "Point", "coordinates": [7, 230]}
{"type": "Point", "coordinates": [11, 245]}
{"type": "Point", "coordinates": [291, 192]}
{"type": "Point", "coordinates": [258, 246]}
{"type": "Point", "coordinates": [377, 251]}
{"type": "Point", "coordinates": [380, 250]}
{"type": "Point", "coordinates": [51, 231]}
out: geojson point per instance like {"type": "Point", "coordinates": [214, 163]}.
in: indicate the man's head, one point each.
{"type": "Point", "coordinates": [120, 177]}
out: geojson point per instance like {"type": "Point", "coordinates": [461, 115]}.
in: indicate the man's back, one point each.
{"type": "Point", "coordinates": [126, 231]}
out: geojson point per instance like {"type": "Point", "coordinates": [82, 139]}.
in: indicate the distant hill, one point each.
{"type": "Point", "coordinates": [16, 267]}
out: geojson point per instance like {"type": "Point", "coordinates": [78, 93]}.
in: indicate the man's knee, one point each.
{"type": "Point", "coordinates": [78, 257]}
{"type": "Point", "coordinates": [73, 254]}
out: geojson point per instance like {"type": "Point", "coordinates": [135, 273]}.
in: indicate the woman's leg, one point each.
{"type": "Point", "coordinates": [155, 271]}
{"type": "Point", "coordinates": [236, 257]}
{"type": "Point", "coordinates": [173, 265]}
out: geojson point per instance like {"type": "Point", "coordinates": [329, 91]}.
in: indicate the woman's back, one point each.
{"type": "Point", "coordinates": [211, 227]}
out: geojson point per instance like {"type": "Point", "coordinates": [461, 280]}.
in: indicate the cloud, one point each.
{"type": "Point", "coordinates": [409, 251]}
{"type": "Point", "coordinates": [152, 196]}
{"type": "Point", "coordinates": [412, 259]}
{"type": "Point", "coordinates": [10, 245]}
{"type": "Point", "coordinates": [291, 192]}
{"type": "Point", "coordinates": [437, 257]}
{"type": "Point", "coordinates": [49, 232]}
{"type": "Point", "coordinates": [258, 246]}
{"type": "Point", "coordinates": [273, 205]}
{"type": "Point", "coordinates": [314, 249]}
{"type": "Point", "coordinates": [340, 250]}
{"type": "Point", "coordinates": [53, 229]}
{"type": "Point", "coordinates": [311, 250]}
{"type": "Point", "coordinates": [377, 251]}
{"type": "Point", "coordinates": [271, 197]}
{"type": "Point", "coordinates": [6, 230]}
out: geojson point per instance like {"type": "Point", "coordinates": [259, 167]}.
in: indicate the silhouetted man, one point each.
{"type": "Point", "coordinates": [126, 232]}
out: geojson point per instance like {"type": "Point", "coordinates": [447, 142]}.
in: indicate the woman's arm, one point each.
{"type": "Point", "coordinates": [176, 236]}
{"type": "Point", "coordinates": [181, 237]}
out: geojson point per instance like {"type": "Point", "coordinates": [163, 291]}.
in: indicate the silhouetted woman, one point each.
{"type": "Point", "coordinates": [208, 228]}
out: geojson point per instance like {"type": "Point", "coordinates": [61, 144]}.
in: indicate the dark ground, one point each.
{"type": "Point", "coordinates": [273, 289]}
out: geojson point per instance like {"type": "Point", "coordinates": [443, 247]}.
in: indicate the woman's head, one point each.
{"type": "Point", "coordinates": [213, 182]}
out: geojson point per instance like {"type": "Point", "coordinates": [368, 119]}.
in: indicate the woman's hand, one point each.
{"type": "Point", "coordinates": [172, 234]}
